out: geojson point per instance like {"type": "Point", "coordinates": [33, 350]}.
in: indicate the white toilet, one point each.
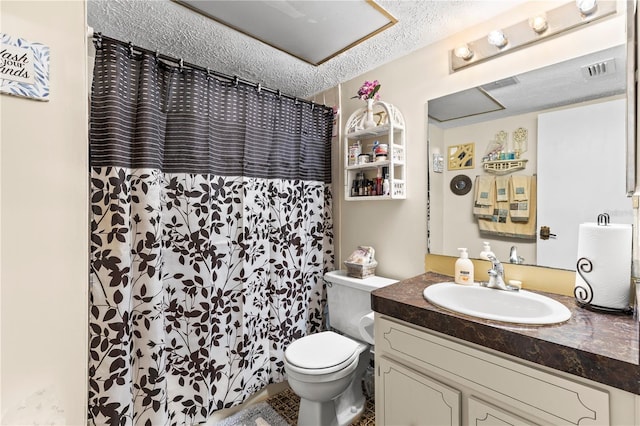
{"type": "Point", "coordinates": [326, 369]}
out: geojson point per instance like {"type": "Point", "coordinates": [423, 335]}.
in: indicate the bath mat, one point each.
{"type": "Point", "coordinates": [260, 414]}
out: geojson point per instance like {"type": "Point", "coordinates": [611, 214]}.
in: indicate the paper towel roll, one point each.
{"type": "Point", "coordinates": [366, 328]}
{"type": "Point", "coordinates": [608, 248]}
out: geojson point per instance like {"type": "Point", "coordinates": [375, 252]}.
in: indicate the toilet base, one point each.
{"type": "Point", "coordinates": [346, 415]}
{"type": "Point", "coordinates": [315, 413]}
{"type": "Point", "coordinates": [350, 404]}
{"type": "Point", "coordinates": [344, 409]}
{"type": "Point", "coordinates": [329, 413]}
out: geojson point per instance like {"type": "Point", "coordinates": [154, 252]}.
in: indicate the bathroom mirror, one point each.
{"type": "Point", "coordinates": [574, 115]}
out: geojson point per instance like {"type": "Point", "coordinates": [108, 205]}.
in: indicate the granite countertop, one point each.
{"type": "Point", "coordinates": [600, 347]}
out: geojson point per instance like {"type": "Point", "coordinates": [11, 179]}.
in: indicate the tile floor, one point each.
{"type": "Point", "coordinates": [286, 403]}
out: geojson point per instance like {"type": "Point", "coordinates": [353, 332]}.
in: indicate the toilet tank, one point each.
{"type": "Point", "coordinates": [349, 299]}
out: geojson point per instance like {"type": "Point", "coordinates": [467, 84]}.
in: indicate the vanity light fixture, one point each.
{"type": "Point", "coordinates": [497, 38]}
{"type": "Point", "coordinates": [539, 24]}
{"type": "Point", "coordinates": [537, 28]}
{"type": "Point", "coordinates": [463, 52]}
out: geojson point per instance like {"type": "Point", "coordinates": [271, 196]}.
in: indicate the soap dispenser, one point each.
{"type": "Point", "coordinates": [464, 268]}
{"type": "Point", "coordinates": [486, 251]}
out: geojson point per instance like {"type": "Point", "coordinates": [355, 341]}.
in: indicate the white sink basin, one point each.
{"type": "Point", "coordinates": [520, 307]}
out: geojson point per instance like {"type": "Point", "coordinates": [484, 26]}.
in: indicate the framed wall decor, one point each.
{"type": "Point", "coordinates": [24, 68]}
{"type": "Point", "coordinates": [461, 156]}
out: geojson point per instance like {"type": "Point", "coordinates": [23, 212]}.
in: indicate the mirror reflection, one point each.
{"type": "Point", "coordinates": [557, 135]}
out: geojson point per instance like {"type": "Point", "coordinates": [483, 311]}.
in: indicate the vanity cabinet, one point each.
{"type": "Point", "coordinates": [427, 378]}
{"type": "Point", "coordinates": [390, 131]}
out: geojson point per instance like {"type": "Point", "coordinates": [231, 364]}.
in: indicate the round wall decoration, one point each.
{"type": "Point", "coordinates": [460, 184]}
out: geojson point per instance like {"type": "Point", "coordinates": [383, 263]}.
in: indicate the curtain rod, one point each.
{"type": "Point", "coordinates": [98, 37]}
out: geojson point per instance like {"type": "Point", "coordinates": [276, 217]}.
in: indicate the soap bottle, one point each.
{"type": "Point", "coordinates": [464, 268]}
{"type": "Point", "coordinates": [486, 251]}
{"type": "Point", "coordinates": [386, 187]}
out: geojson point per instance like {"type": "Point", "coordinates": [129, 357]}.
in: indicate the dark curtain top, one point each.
{"type": "Point", "coordinates": [148, 114]}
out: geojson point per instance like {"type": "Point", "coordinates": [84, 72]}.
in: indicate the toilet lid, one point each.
{"type": "Point", "coordinates": [321, 350]}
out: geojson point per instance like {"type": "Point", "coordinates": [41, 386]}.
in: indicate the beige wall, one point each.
{"type": "Point", "coordinates": [44, 225]}
{"type": "Point", "coordinates": [397, 229]}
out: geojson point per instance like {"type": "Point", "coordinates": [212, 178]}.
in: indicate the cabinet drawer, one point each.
{"type": "Point", "coordinates": [554, 399]}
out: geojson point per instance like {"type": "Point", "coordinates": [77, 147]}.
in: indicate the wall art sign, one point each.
{"type": "Point", "coordinates": [24, 68]}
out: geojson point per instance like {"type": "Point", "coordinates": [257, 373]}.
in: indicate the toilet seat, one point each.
{"type": "Point", "coordinates": [322, 353]}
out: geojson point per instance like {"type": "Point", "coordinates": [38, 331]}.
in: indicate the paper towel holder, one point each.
{"type": "Point", "coordinates": [603, 219]}
{"type": "Point", "coordinates": [584, 296]}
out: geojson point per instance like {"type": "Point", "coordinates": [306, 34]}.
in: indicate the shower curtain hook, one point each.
{"type": "Point", "coordinates": [235, 81]}
{"type": "Point", "coordinates": [157, 54]}
{"type": "Point", "coordinates": [208, 73]}
{"type": "Point", "coordinates": [259, 87]}
{"type": "Point", "coordinates": [313, 106]}
{"type": "Point", "coordinates": [181, 64]}
{"type": "Point", "coordinates": [98, 40]}
{"type": "Point", "coordinates": [130, 49]}
{"type": "Point", "coordinates": [279, 94]}
{"type": "Point", "coordinates": [296, 100]}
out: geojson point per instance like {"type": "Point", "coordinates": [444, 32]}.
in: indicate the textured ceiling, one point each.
{"type": "Point", "coordinates": [178, 32]}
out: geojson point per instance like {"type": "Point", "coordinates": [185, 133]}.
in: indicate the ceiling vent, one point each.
{"type": "Point", "coordinates": [599, 69]}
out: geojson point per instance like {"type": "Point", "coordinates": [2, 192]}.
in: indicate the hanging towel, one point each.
{"type": "Point", "coordinates": [502, 188]}
{"type": "Point", "coordinates": [507, 227]}
{"type": "Point", "coordinates": [519, 188]}
{"type": "Point", "coordinates": [484, 200]}
{"type": "Point", "coordinates": [519, 202]}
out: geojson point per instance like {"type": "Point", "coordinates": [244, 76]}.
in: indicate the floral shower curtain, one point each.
{"type": "Point", "coordinates": [211, 229]}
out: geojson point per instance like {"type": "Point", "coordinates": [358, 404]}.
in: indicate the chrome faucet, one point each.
{"type": "Point", "coordinates": [513, 256]}
{"type": "Point", "coordinates": [496, 276]}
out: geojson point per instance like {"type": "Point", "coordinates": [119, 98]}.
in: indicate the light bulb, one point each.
{"type": "Point", "coordinates": [587, 7]}
{"type": "Point", "coordinates": [463, 52]}
{"type": "Point", "coordinates": [497, 38]}
{"type": "Point", "coordinates": [539, 24]}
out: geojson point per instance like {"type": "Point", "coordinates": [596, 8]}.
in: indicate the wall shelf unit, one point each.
{"type": "Point", "coordinates": [389, 131]}
{"type": "Point", "coordinates": [502, 167]}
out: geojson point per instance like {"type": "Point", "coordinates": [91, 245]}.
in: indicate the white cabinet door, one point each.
{"type": "Point", "coordinates": [412, 399]}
